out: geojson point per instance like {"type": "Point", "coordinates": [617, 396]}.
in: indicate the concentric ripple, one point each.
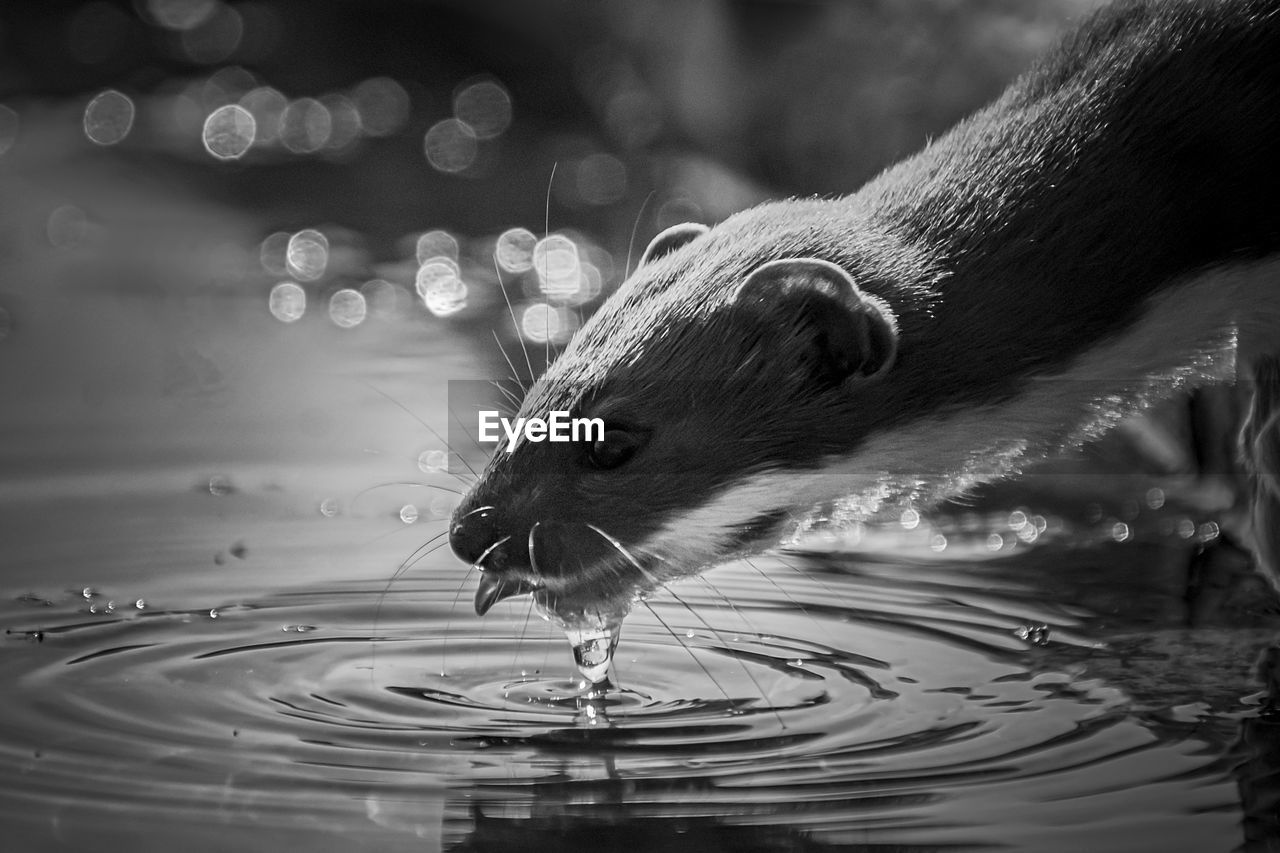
{"type": "Point", "coordinates": [826, 695]}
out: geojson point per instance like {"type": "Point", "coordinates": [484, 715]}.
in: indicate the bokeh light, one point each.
{"type": "Point", "coordinates": [542, 323]}
{"type": "Point", "coordinates": [307, 256]}
{"type": "Point", "coordinates": [433, 461]}
{"type": "Point", "coordinates": [216, 38]}
{"type": "Point", "coordinates": [347, 308]}
{"type": "Point", "coordinates": [514, 250]}
{"type": "Point", "coordinates": [436, 244]}
{"type": "Point", "coordinates": [344, 122]}
{"type": "Point", "coordinates": [555, 259]}
{"type": "Point", "coordinates": [273, 253]}
{"type": "Point", "coordinates": [441, 287]}
{"type": "Point", "coordinates": [485, 107]}
{"type": "Point", "coordinates": [266, 105]}
{"type": "Point", "coordinates": [383, 104]}
{"type": "Point", "coordinates": [450, 145]}
{"type": "Point", "coordinates": [305, 126]}
{"type": "Point", "coordinates": [66, 226]}
{"type": "Point", "coordinates": [287, 302]}
{"type": "Point", "coordinates": [181, 14]}
{"type": "Point", "coordinates": [601, 179]}
{"type": "Point", "coordinates": [109, 117]}
{"type": "Point", "coordinates": [229, 131]}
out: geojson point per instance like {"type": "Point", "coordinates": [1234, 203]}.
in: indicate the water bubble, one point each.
{"type": "Point", "coordinates": [181, 14]}
{"type": "Point", "coordinates": [433, 461]}
{"type": "Point", "coordinates": [485, 107]}
{"type": "Point", "coordinates": [1155, 498]}
{"type": "Point", "coordinates": [910, 519]}
{"type": "Point", "coordinates": [555, 259]}
{"type": "Point", "coordinates": [441, 288]}
{"type": "Point", "coordinates": [450, 145]}
{"type": "Point", "coordinates": [229, 132]}
{"type": "Point", "coordinates": [307, 255]}
{"type": "Point", "coordinates": [109, 117]}
{"type": "Point", "coordinates": [89, 592]}
{"type": "Point", "coordinates": [436, 244]}
{"type": "Point", "coordinates": [305, 126]}
{"type": "Point", "coordinates": [1120, 531]}
{"type": "Point", "coordinates": [347, 308]}
{"type": "Point", "coordinates": [514, 250]}
{"type": "Point", "coordinates": [602, 179]}
{"type": "Point", "coordinates": [9, 125]}
{"type": "Point", "coordinates": [995, 542]}
{"type": "Point", "coordinates": [383, 104]}
{"type": "Point", "coordinates": [140, 604]}
{"type": "Point", "coordinates": [329, 507]}
{"type": "Point", "coordinates": [408, 513]}
{"type": "Point", "coordinates": [287, 302]}
{"type": "Point", "coordinates": [66, 226]}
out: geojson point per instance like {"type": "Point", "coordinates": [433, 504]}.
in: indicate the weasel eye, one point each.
{"type": "Point", "coordinates": [612, 451]}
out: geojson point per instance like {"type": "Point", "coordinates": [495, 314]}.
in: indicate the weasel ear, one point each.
{"type": "Point", "coordinates": [671, 239]}
{"type": "Point", "coordinates": [855, 334]}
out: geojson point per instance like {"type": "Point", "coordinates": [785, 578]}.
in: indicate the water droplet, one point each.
{"type": "Point", "coordinates": [555, 259]}
{"type": "Point", "coordinates": [1017, 520]}
{"type": "Point", "coordinates": [347, 308]}
{"type": "Point", "coordinates": [1120, 531]}
{"type": "Point", "coordinates": [1186, 528]}
{"type": "Point", "coordinates": [1155, 498]}
{"type": "Point", "coordinates": [1209, 531]}
{"type": "Point", "coordinates": [995, 542]}
{"type": "Point", "coordinates": [213, 614]}
{"type": "Point", "coordinates": [229, 132]}
{"type": "Point", "coordinates": [593, 649]}
{"type": "Point", "coordinates": [140, 604]}
{"type": "Point", "coordinates": [540, 323]}
{"type": "Point", "coordinates": [108, 118]}
{"type": "Point", "coordinates": [1028, 533]}
{"type": "Point", "coordinates": [89, 592]}
{"type": "Point", "coordinates": [408, 513]}
{"type": "Point", "coordinates": [287, 302]}
{"type": "Point", "coordinates": [1037, 634]}
{"type": "Point", "coordinates": [938, 542]}
{"type": "Point", "coordinates": [450, 145]}
{"type": "Point", "coordinates": [298, 629]}
{"type": "Point", "coordinates": [329, 507]}
{"type": "Point", "coordinates": [442, 290]}
{"type": "Point", "coordinates": [910, 519]}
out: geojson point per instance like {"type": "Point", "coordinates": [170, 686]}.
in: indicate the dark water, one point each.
{"type": "Point", "coordinates": [203, 647]}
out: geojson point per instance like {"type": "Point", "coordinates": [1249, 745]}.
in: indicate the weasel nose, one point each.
{"type": "Point", "coordinates": [473, 533]}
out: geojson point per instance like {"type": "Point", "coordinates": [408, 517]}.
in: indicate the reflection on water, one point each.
{"type": "Point", "coordinates": [202, 639]}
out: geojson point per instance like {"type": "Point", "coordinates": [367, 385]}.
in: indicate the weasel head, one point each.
{"type": "Point", "coordinates": [717, 373]}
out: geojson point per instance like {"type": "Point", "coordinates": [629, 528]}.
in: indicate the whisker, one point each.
{"type": "Point", "coordinates": [428, 426]}
{"type": "Point", "coordinates": [635, 228]}
{"type": "Point", "coordinates": [533, 560]}
{"type": "Point", "coordinates": [448, 625]}
{"type": "Point", "coordinates": [407, 483]}
{"type": "Point", "coordinates": [382, 596]}
{"type": "Point", "coordinates": [515, 325]}
{"type": "Point", "coordinates": [515, 374]}
{"type": "Point", "coordinates": [791, 599]}
{"type": "Point", "coordinates": [692, 656]}
{"type": "Point", "coordinates": [546, 232]}
{"type": "Point", "coordinates": [746, 670]}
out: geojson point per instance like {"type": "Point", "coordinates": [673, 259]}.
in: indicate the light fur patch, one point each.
{"type": "Point", "coordinates": [1188, 337]}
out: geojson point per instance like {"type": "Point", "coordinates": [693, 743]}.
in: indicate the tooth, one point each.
{"type": "Point", "coordinates": [493, 589]}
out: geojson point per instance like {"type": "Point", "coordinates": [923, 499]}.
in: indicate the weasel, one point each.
{"type": "Point", "coordinates": [1094, 239]}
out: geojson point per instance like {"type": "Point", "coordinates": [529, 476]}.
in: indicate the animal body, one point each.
{"type": "Point", "coordinates": [1105, 233]}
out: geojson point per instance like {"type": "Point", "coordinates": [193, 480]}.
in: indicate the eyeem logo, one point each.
{"type": "Point", "coordinates": [557, 426]}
